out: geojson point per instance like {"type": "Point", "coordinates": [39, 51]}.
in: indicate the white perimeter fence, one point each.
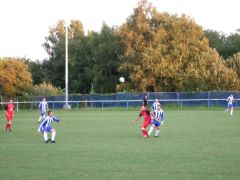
{"type": "Point", "coordinates": [179, 103]}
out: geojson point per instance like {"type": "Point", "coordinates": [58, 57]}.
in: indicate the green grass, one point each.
{"type": "Point", "coordinates": [104, 144]}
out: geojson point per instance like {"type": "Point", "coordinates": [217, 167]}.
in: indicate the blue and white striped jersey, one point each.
{"type": "Point", "coordinates": [159, 115]}
{"type": "Point", "coordinates": [230, 99]}
{"type": "Point", "coordinates": [47, 122]}
{"type": "Point", "coordinates": [155, 106]}
{"type": "Point", "coordinates": [43, 106]}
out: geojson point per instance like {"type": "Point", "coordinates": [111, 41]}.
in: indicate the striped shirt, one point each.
{"type": "Point", "coordinates": [43, 106]}
{"type": "Point", "coordinates": [158, 115]}
{"type": "Point", "coordinates": [155, 106]}
{"type": "Point", "coordinates": [230, 99]}
{"type": "Point", "coordinates": [46, 123]}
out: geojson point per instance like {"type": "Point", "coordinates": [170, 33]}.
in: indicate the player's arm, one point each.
{"type": "Point", "coordinates": [42, 124]}
{"type": "Point", "coordinates": [136, 120]}
{"type": "Point", "coordinates": [13, 112]}
{"type": "Point", "coordinates": [162, 115]}
{"type": "Point", "coordinates": [56, 119]}
{"type": "Point", "coordinates": [39, 107]}
{"type": "Point", "coordinates": [5, 110]}
{"type": "Point", "coordinates": [152, 114]}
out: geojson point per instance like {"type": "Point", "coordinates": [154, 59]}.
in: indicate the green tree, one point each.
{"type": "Point", "coordinates": [92, 58]}
{"type": "Point", "coordinates": [232, 45]}
{"type": "Point", "coordinates": [95, 61]}
{"type": "Point", "coordinates": [226, 46]}
{"type": "Point", "coordinates": [37, 71]}
{"type": "Point", "coordinates": [216, 40]}
{"type": "Point", "coordinates": [54, 68]}
{"type": "Point", "coordinates": [105, 60]}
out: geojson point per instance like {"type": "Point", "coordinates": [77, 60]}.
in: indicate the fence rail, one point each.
{"type": "Point", "coordinates": [181, 103]}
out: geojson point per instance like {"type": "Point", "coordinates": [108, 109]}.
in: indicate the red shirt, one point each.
{"type": "Point", "coordinates": [146, 115]}
{"type": "Point", "coordinates": [9, 108]}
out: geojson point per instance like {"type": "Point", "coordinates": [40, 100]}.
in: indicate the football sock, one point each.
{"type": "Point", "coordinates": [157, 132]}
{"type": "Point", "coordinates": [40, 118]}
{"type": "Point", "coordinates": [45, 136]}
{"type": "Point", "coordinates": [145, 134]}
{"type": "Point", "coordinates": [53, 135]}
{"type": "Point", "coordinates": [231, 112]}
{"type": "Point", "coordinates": [150, 130]}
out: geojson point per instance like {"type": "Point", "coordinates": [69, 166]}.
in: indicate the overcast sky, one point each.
{"type": "Point", "coordinates": [25, 23]}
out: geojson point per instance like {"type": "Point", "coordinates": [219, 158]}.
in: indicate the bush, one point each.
{"type": "Point", "coordinates": [46, 89]}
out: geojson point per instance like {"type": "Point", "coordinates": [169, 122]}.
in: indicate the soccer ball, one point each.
{"type": "Point", "coordinates": [121, 79]}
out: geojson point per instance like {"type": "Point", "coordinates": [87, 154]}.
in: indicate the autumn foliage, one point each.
{"type": "Point", "coordinates": [166, 52]}
{"type": "Point", "coordinates": [15, 78]}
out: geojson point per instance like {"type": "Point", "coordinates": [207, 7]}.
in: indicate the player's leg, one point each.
{"type": "Point", "coordinates": [231, 111]}
{"type": "Point", "coordinates": [227, 109]}
{"type": "Point", "coordinates": [157, 131]}
{"type": "Point", "coordinates": [10, 125]}
{"type": "Point", "coordinates": [151, 129]}
{"type": "Point", "coordinates": [7, 125]}
{"type": "Point", "coordinates": [162, 117]}
{"type": "Point", "coordinates": [45, 136]}
{"type": "Point", "coordinates": [42, 116]}
{"type": "Point", "coordinates": [53, 135]}
{"type": "Point", "coordinates": [144, 130]}
{"type": "Point", "coordinates": [45, 131]}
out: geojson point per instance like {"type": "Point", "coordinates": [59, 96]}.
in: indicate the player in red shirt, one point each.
{"type": "Point", "coordinates": [9, 111]}
{"type": "Point", "coordinates": [147, 120]}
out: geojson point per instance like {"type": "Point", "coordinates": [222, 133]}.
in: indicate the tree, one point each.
{"type": "Point", "coordinates": [234, 63]}
{"type": "Point", "coordinates": [105, 60]}
{"type": "Point", "coordinates": [92, 58]}
{"type": "Point", "coordinates": [46, 89]}
{"type": "Point", "coordinates": [37, 71]}
{"type": "Point", "coordinates": [15, 78]}
{"type": "Point", "coordinates": [216, 40]}
{"type": "Point", "coordinates": [55, 47]}
{"type": "Point", "coordinates": [232, 45]}
{"type": "Point", "coordinates": [226, 46]}
{"type": "Point", "coordinates": [95, 61]}
{"type": "Point", "coordinates": [136, 36]}
{"type": "Point", "coordinates": [166, 52]}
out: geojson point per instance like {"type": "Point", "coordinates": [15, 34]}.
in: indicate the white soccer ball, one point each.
{"type": "Point", "coordinates": [121, 79]}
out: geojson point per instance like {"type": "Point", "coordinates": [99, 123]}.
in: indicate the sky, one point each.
{"type": "Point", "coordinates": [25, 23]}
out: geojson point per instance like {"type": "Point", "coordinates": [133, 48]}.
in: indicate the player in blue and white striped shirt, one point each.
{"type": "Point", "coordinates": [43, 107]}
{"type": "Point", "coordinates": [230, 101]}
{"type": "Point", "coordinates": [157, 117]}
{"type": "Point", "coordinates": [46, 127]}
{"type": "Point", "coordinates": [155, 105]}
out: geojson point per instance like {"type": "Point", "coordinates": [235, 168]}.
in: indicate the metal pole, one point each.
{"type": "Point", "coordinates": [66, 106]}
{"type": "Point", "coordinates": [66, 66]}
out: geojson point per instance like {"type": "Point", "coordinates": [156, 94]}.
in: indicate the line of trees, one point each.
{"type": "Point", "coordinates": [153, 51]}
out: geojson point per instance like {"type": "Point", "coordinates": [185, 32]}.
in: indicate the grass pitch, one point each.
{"type": "Point", "coordinates": [104, 144]}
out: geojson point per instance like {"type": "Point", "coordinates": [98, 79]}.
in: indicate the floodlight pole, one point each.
{"type": "Point", "coordinates": [66, 106]}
